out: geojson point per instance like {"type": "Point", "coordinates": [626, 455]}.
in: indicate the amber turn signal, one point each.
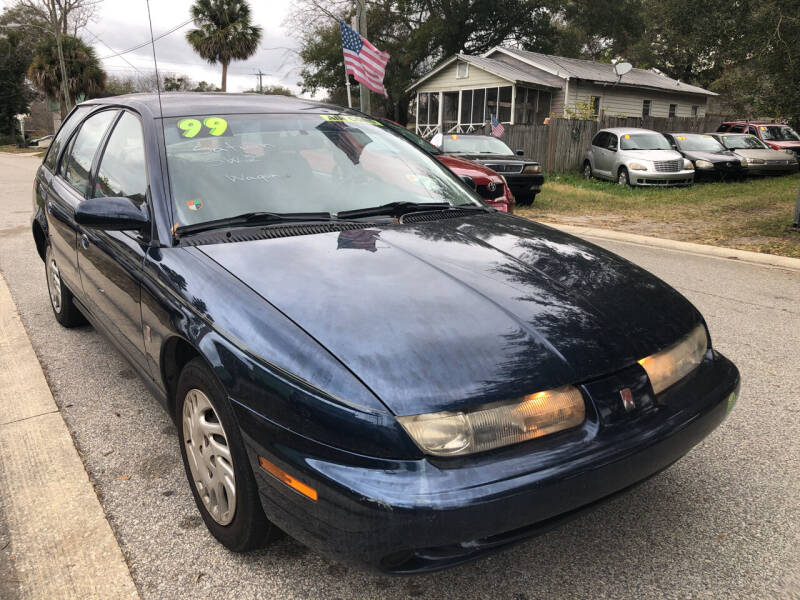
{"type": "Point", "coordinates": [284, 477]}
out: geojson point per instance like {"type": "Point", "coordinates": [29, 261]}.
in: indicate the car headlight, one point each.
{"type": "Point", "coordinates": [673, 364]}
{"type": "Point", "coordinates": [532, 169]}
{"type": "Point", "coordinates": [687, 165]}
{"type": "Point", "coordinates": [788, 151]}
{"type": "Point", "coordinates": [704, 164]}
{"type": "Point", "coordinates": [635, 166]}
{"type": "Point", "coordinates": [744, 160]}
{"type": "Point", "coordinates": [455, 433]}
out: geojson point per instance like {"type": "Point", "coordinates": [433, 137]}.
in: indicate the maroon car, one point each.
{"type": "Point", "coordinates": [774, 135]}
{"type": "Point", "coordinates": [491, 186]}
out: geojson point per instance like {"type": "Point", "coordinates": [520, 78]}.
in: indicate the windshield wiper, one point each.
{"type": "Point", "coordinates": [252, 218]}
{"type": "Point", "coordinates": [397, 209]}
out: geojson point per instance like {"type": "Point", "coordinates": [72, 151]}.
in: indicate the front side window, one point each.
{"type": "Point", "coordinates": [77, 164]}
{"type": "Point", "coordinates": [63, 133]}
{"type": "Point", "coordinates": [225, 166]}
{"type": "Point", "coordinates": [122, 170]}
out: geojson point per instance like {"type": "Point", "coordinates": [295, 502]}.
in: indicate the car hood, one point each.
{"type": "Point", "coordinates": [652, 154]}
{"type": "Point", "coordinates": [451, 313]}
{"type": "Point", "coordinates": [714, 157]}
{"type": "Point", "coordinates": [475, 170]}
{"type": "Point", "coordinates": [495, 158]}
{"type": "Point", "coordinates": [763, 154]}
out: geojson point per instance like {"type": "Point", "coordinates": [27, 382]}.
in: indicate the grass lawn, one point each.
{"type": "Point", "coordinates": [17, 150]}
{"type": "Point", "coordinates": [752, 215]}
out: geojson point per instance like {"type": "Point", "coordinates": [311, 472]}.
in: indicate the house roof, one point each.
{"type": "Point", "coordinates": [514, 74]}
{"type": "Point", "coordinates": [590, 70]}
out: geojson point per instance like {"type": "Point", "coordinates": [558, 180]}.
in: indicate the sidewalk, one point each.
{"type": "Point", "coordinates": [55, 541]}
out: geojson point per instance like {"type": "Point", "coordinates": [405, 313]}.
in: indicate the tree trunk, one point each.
{"type": "Point", "coordinates": [224, 77]}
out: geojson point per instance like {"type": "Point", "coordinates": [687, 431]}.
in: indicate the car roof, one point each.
{"type": "Point", "coordinates": [753, 123]}
{"type": "Point", "coordinates": [624, 130]}
{"type": "Point", "coordinates": [731, 133]}
{"type": "Point", "coordinates": [178, 104]}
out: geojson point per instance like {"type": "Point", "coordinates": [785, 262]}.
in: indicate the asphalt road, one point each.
{"type": "Point", "coordinates": [724, 522]}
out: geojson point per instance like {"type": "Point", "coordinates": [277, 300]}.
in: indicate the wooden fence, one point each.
{"type": "Point", "coordinates": [561, 145]}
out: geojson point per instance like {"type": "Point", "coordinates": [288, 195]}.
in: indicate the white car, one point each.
{"type": "Point", "coordinates": [636, 157]}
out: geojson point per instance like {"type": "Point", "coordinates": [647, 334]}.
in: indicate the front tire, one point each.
{"type": "Point", "coordinates": [61, 299]}
{"type": "Point", "coordinates": [622, 177]}
{"type": "Point", "coordinates": [216, 462]}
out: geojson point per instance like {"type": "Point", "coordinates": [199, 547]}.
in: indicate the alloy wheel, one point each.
{"type": "Point", "coordinates": [587, 171]}
{"type": "Point", "coordinates": [623, 177]}
{"type": "Point", "coordinates": [209, 456]}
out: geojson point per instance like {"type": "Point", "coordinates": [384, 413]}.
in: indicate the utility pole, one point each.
{"type": "Point", "coordinates": [260, 85]}
{"type": "Point", "coordinates": [56, 22]}
{"type": "Point", "coordinates": [360, 25]}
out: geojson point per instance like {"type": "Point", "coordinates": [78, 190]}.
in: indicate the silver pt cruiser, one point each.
{"type": "Point", "coordinates": [636, 157]}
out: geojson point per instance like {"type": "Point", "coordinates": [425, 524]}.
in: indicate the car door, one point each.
{"type": "Point", "coordinates": [67, 188]}
{"type": "Point", "coordinates": [602, 155]}
{"type": "Point", "coordinates": [110, 262]}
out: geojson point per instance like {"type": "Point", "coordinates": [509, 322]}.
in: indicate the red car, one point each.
{"type": "Point", "coordinates": [774, 135]}
{"type": "Point", "coordinates": [491, 186]}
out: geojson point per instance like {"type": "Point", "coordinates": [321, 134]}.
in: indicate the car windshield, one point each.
{"type": "Point", "coordinates": [697, 142]}
{"type": "Point", "coordinates": [224, 166]}
{"type": "Point", "coordinates": [644, 141]}
{"type": "Point", "coordinates": [779, 133]}
{"type": "Point", "coordinates": [473, 144]}
{"type": "Point", "coordinates": [742, 142]}
{"type": "Point", "coordinates": [411, 137]}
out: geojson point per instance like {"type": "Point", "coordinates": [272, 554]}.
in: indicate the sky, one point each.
{"type": "Point", "coordinates": [122, 24]}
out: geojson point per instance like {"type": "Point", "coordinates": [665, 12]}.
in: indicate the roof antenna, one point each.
{"type": "Point", "coordinates": [155, 64]}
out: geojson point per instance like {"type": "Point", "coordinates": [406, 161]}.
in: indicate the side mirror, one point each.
{"type": "Point", "coordinates": [520, 152]}
{"type": "Point", "coordinates": [111, 214]}
{"type": "Point", "coordinates": [469, 181]}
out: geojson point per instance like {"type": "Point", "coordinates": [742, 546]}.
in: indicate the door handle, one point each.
{"type": "Point", "coordinates": [84, 241]}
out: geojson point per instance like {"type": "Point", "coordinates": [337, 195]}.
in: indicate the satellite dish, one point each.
{"type": "Point", "coordinates": [621, 68]}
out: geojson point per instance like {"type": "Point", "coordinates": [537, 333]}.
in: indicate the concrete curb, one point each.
{"type": "Point", "coordinates": [60, 544]}
{"type": "Point", "coordinates": [756, 258]}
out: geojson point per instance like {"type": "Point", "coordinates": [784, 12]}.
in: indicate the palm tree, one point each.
{"type": "Point", "coordinates": [85, 76]}
{"type": "Point", "coordinates": [224, 32]}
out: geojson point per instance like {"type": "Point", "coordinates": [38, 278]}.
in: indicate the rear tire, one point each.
{"type": "Point", "coordinates": [61, 299]}
{"type": "Point", "coordinates": [587, 170]}
{"type": "Point", "coordinates": [216, 462]}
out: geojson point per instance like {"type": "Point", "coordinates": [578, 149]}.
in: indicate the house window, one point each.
{"type": "Point", "coordinates": [478, 106]}
{"type": "Point", "coordinates": [694, 111]}
{"type": "Point", "coordinates": [645, 108]}
{"type": "Point", "coordinates": [504, 109]}
{"type": "Point", "coordinates": [673, 108]}
{"type": "Point", "coordinates": [462, 70]}
{"type": "Point", "coordinates": [449, 109]}
{"type": "Point", "coordinates": [466, 106]}
{"type": "Point", "coordinates": [491, 103]}
{"type": "Point", "coordinates": [542, 107]}
{"type": "Point", "coordinates": [595, 106]}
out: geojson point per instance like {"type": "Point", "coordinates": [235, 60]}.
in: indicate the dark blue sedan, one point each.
{"type": "Point", "coordinates": [356, 350]}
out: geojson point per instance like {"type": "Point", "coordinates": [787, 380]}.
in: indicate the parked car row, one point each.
{"type": "Point", "coordinates": [641, 157]}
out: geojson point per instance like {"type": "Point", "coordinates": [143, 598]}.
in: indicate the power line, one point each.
{"type": "Point", "coordinates": [148, 42]}
{"type": "Point", "coordinates": [110, 48]}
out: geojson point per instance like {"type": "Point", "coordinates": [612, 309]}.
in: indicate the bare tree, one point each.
{"type": "Point", "coordinates": [65, 17]}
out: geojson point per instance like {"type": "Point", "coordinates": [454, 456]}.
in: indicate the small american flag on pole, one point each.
{"type": "Point", "coordinates": [497, 127]}
{"type": "Point", "coordinates": [364, 61]}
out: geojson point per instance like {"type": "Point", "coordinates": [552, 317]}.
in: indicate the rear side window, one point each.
{"type": "Point", "coordinates": [77, 164]}
{"type": "Point", "coordinates": [63, 134]}
{"type": "Point", "coordinates": [122, 169]}
{"type": "Point", "coordinates": [600, 140]}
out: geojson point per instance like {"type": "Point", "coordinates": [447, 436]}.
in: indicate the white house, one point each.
{"type": "Point", "coordinates": [526, 87]}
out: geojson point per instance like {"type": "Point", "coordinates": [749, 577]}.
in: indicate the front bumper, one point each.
{"type": "Point", "coordinates": [757, 169]}
{"type": "Point", "coordinates": [656, 178]}
{"type": "Point", "coordinates": [406, 516]}
{"type": "Point", "coordinates": [524, 185]}
{"type": "Point", "coordinates": [720, 171]}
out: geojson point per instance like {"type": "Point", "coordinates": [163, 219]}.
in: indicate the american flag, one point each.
{"type": "Point", "coordinates": [497, 127]}
{"type": "Point", "coordinates": [364, 61]}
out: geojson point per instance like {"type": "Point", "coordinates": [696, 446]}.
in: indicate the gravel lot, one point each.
{"type": "Point", "coordinates": [724, 522]}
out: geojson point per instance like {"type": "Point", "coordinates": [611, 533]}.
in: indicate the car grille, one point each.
{"type": "Point", "coordinates": [668, 166]}
{"type": "Point", "coordinates": [778, 162]}
{"type": "Point", "coordinates": [505, 167]}
{"type": "Point", "coordinates": [485, 192]}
